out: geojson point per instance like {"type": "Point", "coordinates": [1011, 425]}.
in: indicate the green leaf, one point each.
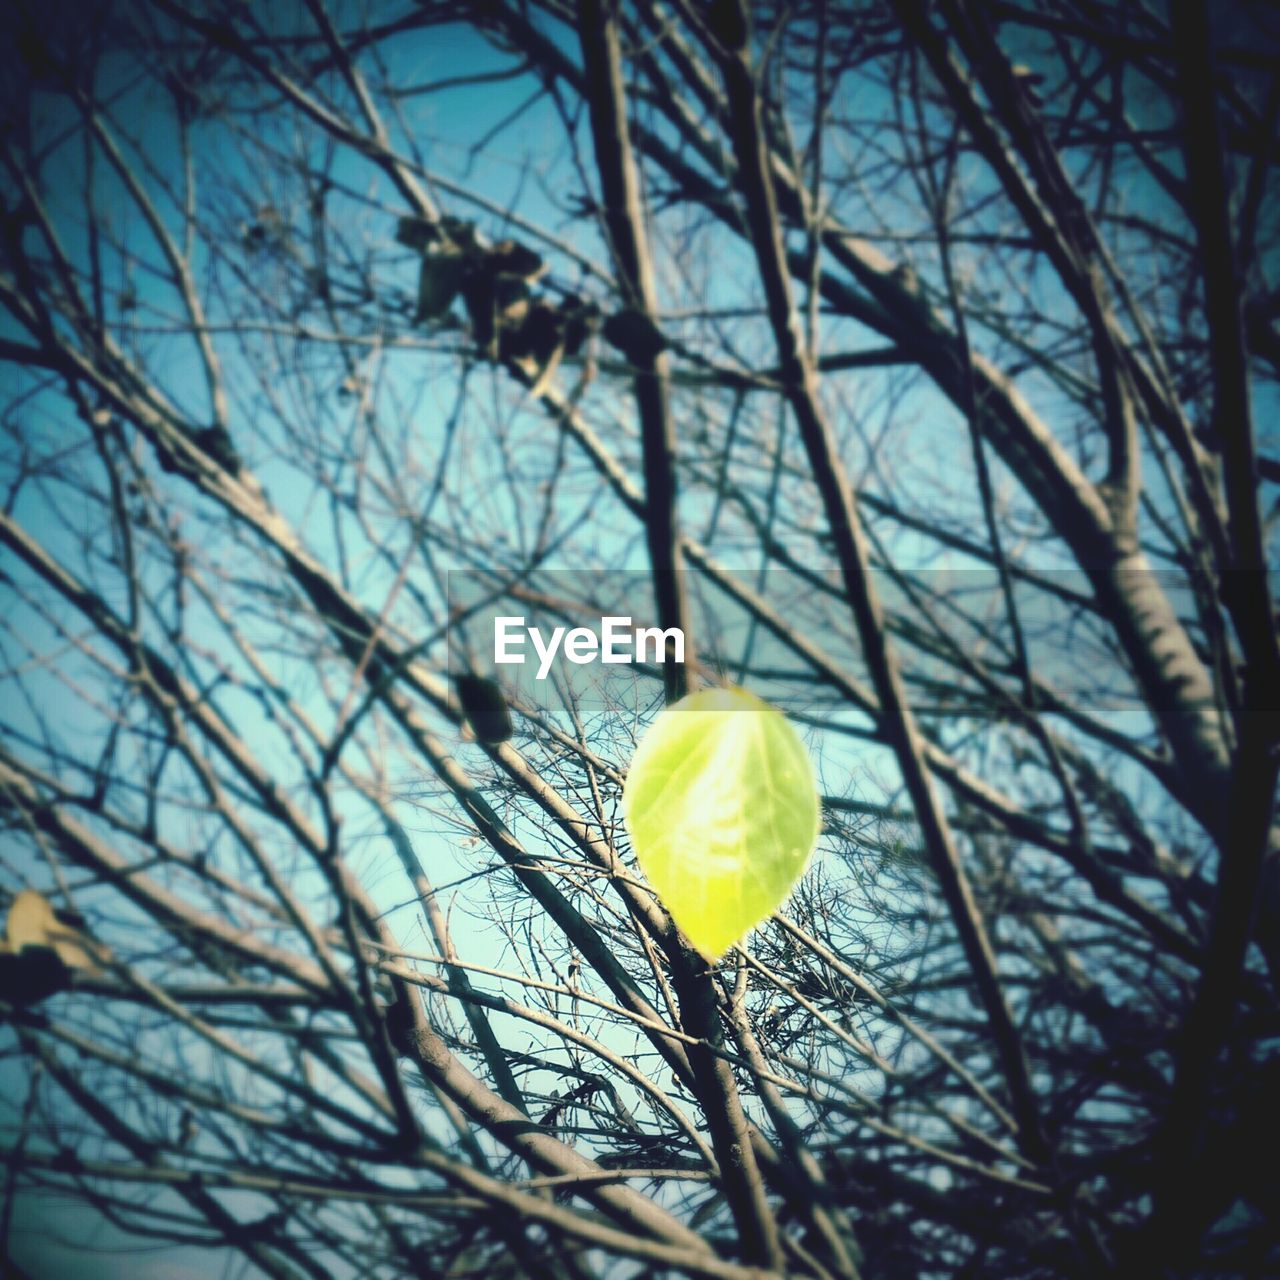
{"type": "Point", "coordinates": [723, 811]}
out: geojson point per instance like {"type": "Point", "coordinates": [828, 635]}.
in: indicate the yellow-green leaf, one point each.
{"type": "Point", "coordinates": [723, 812]}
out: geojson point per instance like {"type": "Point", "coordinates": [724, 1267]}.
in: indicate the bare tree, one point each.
{"type": "Point", "coordinates": [918, 360]}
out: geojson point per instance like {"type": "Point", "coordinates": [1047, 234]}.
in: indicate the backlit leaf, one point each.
{"type": "Point", "coordinates": [723, 812]}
